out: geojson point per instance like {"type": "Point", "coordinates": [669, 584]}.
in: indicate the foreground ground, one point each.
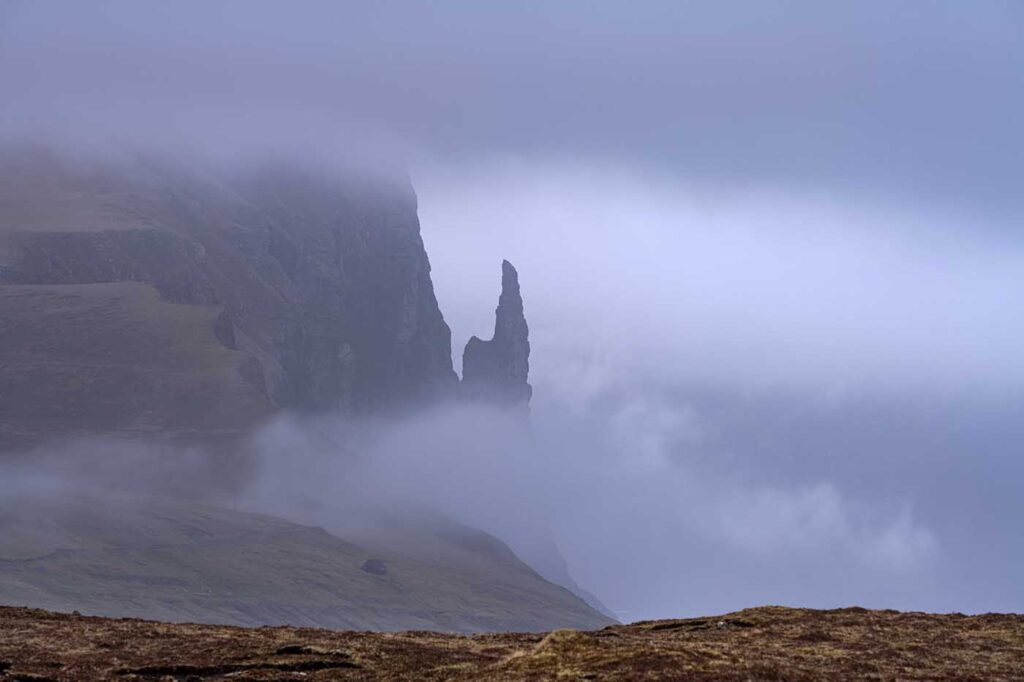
{"type": "Point", "coordinates": [770, 643]}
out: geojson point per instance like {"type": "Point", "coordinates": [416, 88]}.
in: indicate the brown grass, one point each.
{"type": "Point", "coordinates": [769, 643]}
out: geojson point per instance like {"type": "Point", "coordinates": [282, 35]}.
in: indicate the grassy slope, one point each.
{"type": "Point", "coordinates": [114, 356]}
{"type": "Point", "coordinates": [771, 643]}
{"type": "Point", "coordinates": [184, 562]}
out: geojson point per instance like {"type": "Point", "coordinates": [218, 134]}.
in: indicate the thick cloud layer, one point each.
{"type": "Point", "coordinates": [749, 287]}
{"type": "Point", "coordinates": [914, 100]}
{"type": "Point", "coordinates": [770, 254]}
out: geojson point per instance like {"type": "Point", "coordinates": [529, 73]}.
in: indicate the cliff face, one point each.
{"type": "Point", "coordinates": [145, 299]}
{"type": "Point", "coordinates": [292, 288]}
{"type": "Point", "coordinates": [497, 370]}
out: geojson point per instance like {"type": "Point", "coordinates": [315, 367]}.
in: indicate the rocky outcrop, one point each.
{"type": "Point", "coordinates": [497, 370]}
{"type": "Point", "coordinates": [316, 283]}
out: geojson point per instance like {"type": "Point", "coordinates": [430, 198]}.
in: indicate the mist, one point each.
{"type": "Point", "coordinates": [770, 257]}
{"type": "Point", "coordinates": [793, 398]}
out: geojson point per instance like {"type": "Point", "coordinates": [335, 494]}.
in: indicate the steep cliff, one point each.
{"type": "Point", "coordinates": [497, 370]}
{"type": "Point", "coordinates": [294, 287]}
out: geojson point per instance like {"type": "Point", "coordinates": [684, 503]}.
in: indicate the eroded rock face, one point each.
{"type": "Point", "coordinates": [497, 370]}
{"type": "Point", "coordinates": [317, 282]}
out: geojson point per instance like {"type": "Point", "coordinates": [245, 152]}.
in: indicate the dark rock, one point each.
{"type": "Point", "coordinates": [497, 370]}
{"type": "Point", "coordinates": [251, 370]}
{"type": "Point", "coordinates": [375, 566]}
{"type": "Point", "coordinates": [224, 330]}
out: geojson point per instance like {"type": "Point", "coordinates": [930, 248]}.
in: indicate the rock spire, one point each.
{"type": "Point", "coordinates": [497, 370]}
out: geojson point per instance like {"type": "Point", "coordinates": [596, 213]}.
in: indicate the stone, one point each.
{"type": "Point", "coordinates": [497, 370]}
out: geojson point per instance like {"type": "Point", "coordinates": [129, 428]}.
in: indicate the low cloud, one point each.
{"type": "Point", "coordinates": [749, 289]}
{"type": "Point", "coordinates": [819, 519]}
{"type": "Point", "coordinates": [602, 483]}
{"type": "Point", "coordinates": [771, 271]}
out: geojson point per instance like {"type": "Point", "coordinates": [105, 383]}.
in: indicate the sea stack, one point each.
{"type": "Point", "coordinates": [496, 371]}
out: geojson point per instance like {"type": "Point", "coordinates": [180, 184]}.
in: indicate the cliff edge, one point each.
{"type": "Point", "coordinates": [143, 296]}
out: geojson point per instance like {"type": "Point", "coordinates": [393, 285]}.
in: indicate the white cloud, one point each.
{"type": "Point", "coordinates": [746, 289]}
{"type": "Point", "coordinates": [819, 519]}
